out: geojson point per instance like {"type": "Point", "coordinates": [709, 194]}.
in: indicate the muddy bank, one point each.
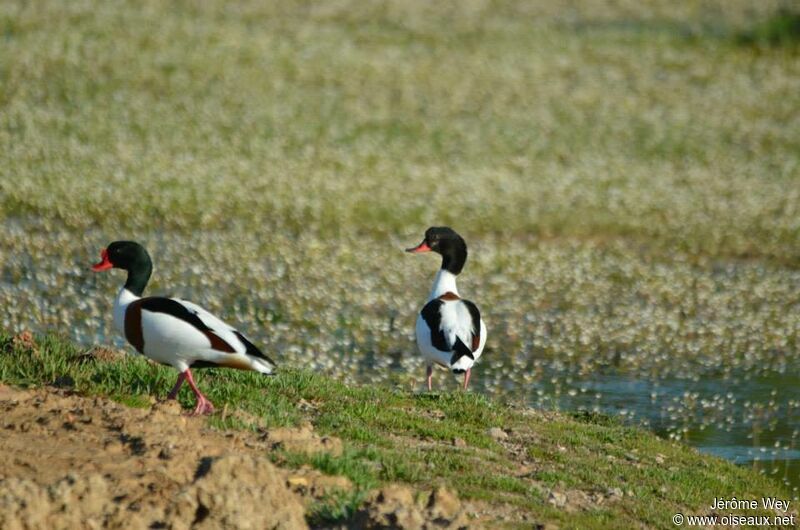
{"type": "Point", "coordinates": [71, 461]}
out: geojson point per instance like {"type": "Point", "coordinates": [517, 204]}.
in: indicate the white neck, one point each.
{"type": "Point", "coordinates": [124, 298]}
{"type": "Point", "coordinates": [445, 282]}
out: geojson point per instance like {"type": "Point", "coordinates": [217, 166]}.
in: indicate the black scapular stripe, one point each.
{"type": "Point", "coordinates": [158, 304]}
{"type": "Point", "coordinates": [433, 317]}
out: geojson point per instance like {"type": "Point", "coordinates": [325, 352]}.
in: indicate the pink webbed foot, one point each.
{"type": "Point", "coordinates": [204, 406]}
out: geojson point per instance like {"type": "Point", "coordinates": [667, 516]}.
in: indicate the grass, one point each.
{"type": "Point", "coordinates": [393, 435]}
{"type": "Point", "coordinates": [335, 508]}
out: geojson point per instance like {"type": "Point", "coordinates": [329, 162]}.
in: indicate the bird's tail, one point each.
{"type": "Point", "coordinates": [462, 359]}
{"type": "Point", "coordinates": [259, 361]}
{"type": "Point", "coordinates": [262, 365]}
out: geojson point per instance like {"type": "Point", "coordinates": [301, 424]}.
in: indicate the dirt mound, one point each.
{"type": "Point", "coordinates": [303, 439]}
{"type": "Point", "coordinates": [76, 462]}
{"type": "Point", "coordinates": [72, 502]}
{"type": "Point", "coordinates": [395, 507]}
{"type": "Point", "coordinates": [309, 481]}
{"type": "Point", "coordinates": [236, 492]}
{"type": "Point", "coordinates": [241, 492]}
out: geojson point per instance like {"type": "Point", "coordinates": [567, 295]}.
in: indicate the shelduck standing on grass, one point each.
{"type": "Point", "coordinates": [450, 331]}
{"type": "Point", "coordinates": [174, 332]}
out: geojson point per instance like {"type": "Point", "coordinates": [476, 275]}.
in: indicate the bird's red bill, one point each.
{"type": "Point", "coordinates": [104, 264]}
{"type": "Point", "coordinates": [422, 247]}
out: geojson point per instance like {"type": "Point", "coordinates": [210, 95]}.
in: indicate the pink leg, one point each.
{"type": "Point", "coordinates": [174, 392]}
{"type": "Point", "coordinates": [204, 406]}
{"type": "Point", "coordinates": [430, 376]}
{"type": "Point", "coordinates": [466, 377]}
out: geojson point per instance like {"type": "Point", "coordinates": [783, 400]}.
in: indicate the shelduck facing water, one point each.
{"type": "Point", "coordinates": [450, 331]}
{"type": "Point", "coordinates": [171, 331]}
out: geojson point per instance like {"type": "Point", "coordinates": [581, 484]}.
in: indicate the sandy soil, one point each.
{"type": "Point", "coordinates": [69, 461]}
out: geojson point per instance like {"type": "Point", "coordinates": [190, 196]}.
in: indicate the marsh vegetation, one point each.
{"type": "Point", "coordinates": [626, 176]}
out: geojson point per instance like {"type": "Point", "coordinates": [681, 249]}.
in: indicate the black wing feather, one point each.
{"type": "Point", "coordinates": [158, 304]}
{"type": "Point", "coordinates": [433, 317]}
{"type": "Point", "coordinates": [251, 348]}
{"type": "Point", "coordinates": [476, 323]}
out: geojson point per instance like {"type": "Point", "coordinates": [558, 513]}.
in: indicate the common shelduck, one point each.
{"type": "Point", "coordinates": [174, 332]}
{"type": "Point", "coordinates": [450, 331]}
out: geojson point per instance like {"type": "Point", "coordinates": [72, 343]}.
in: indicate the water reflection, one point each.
{"type": "Point", "coordinates": [748, 419]}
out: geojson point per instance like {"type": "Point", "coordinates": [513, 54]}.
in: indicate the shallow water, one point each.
{"type": "Point", "coordinates": [748, 419]}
